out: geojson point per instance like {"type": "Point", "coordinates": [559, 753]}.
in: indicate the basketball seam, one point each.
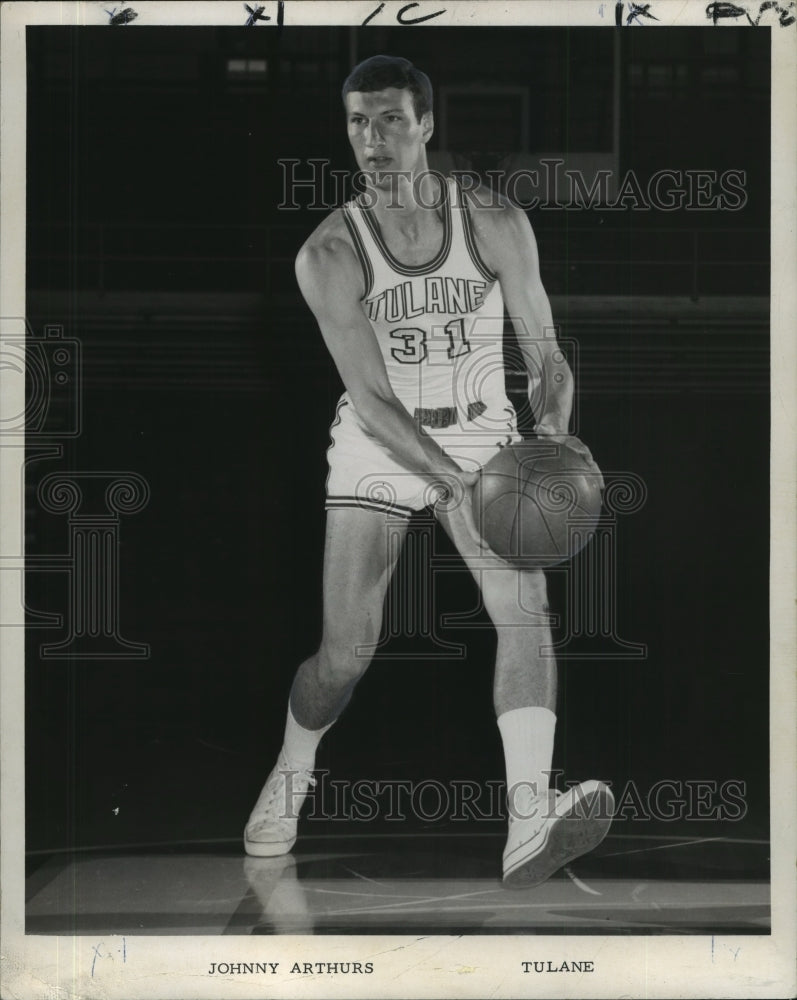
{"type": "Point", "coordinates": [513, 539]}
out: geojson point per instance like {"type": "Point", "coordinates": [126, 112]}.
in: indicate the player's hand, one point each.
{"type": "Point", "coordinates": [575, 444]}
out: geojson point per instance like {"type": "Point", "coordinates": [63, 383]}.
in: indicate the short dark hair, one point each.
{"type": "Point", "coordinates": [381, 72]}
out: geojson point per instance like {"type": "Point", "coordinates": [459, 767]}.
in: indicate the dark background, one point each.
{"type": "Point", "coordinates": [154, 238]}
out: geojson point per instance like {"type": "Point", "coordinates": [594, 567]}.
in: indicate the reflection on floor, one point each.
{"type": "Point", "coordinates": [441, 884]}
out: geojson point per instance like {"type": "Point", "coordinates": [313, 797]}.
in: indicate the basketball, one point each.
{"type": "Point", "coordinates": [537, 503]}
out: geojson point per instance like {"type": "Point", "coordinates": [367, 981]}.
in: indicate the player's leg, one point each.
{"type": "Point", "coordinates": [361, 550]}
{"type": "Point", "coordinates": [525, 669]}
{"type": "Point", "coordinates": [546, 829]}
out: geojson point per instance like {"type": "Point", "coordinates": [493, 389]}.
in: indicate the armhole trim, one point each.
{"type": "Point", "coordinates": [362, 253]}
{"type": "Point", "coordinates": [470, 237]}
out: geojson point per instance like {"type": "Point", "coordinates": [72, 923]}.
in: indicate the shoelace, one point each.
{"type": "Point", "coordinates": [277, 786]}
{"type": "Point", "coordinates": [528, 806]}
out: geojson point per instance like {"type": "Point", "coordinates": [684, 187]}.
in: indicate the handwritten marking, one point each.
{"type": "Point", "coordinates": [98, 954]}
{"type": "Point", "coordinates": [401, 15]}
{"type": "Point", "coordinates": [96, 949]}
{"type": "Point", "coordinates": [415, 20]}
{"type": "Point", "coordinates": [639, 10]}
{"type": "Point", "coordinates": [125, 16]}
{"type": "Point", "coordinates": [784, 15]}
{"type": "Point", "coordinates": [255, 14]}
{"type": "Point", "coordinates": [716, 12]}
{"type": "Point", "coordinates": [373, 14]}
{"type": "Point", "coordinates": [727, 947]}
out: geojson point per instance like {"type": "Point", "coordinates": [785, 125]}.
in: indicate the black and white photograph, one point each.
{"type": "Point", "coordinates": [398, 470]}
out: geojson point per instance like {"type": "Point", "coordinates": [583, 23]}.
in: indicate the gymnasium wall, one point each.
{"type": "Point", "coordinates": [156, 241]}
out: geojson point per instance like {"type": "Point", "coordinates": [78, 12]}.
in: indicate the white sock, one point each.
{"type": "Point", "coordinates": [300, 744]}
{"type": "Point", "coordinates": [527, 734]}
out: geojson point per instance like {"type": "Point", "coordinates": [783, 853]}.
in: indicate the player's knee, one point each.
{"type": "Point", "coordinates": [515, 598]}
{"type": "Point", "coordinates": [342, 662]}
{"type": "Point", "coordinates": [351, 627]}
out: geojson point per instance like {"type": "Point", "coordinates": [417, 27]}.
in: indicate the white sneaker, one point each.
{"type": "Point", "coordinates": [548, 831]}
{"type": "Point", "coordinates": [271, 827]}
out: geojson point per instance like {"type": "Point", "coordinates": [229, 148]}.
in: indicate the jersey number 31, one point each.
{"type": "Point", "coordinates": [415, 350]}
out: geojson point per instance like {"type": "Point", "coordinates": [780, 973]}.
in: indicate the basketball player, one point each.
{"type": "Point", "coordinates": [408, 284]}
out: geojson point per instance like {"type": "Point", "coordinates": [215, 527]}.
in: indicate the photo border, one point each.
{"type": "Point", "coordinates": [406, 965]}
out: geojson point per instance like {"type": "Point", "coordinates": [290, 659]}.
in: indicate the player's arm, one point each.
{"type": "Point", "coordinates": [514, 258]}
{"type": "Point", "coordinates": [330, 280]}
{"type": "Point", "coordinates": [510, 249]}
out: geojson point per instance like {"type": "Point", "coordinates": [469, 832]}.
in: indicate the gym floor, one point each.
{"type": "Point", "coordinates": [414, 884]}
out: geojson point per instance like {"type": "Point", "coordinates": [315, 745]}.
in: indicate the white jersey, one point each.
{"type": "Point", "coordinates": [439, 325]}
{"type": "Point", "coordinates": [440, 329]}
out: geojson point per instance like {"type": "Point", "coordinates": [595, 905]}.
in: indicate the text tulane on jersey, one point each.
{"type": "Point", "coordinates": [434, 294]}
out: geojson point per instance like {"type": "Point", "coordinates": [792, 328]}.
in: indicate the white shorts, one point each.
{"type": "Point", "coordinates": [364, 474]}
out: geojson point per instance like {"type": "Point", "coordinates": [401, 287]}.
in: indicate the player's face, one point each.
{"type": "Point", "coordinates": [384, 132]}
